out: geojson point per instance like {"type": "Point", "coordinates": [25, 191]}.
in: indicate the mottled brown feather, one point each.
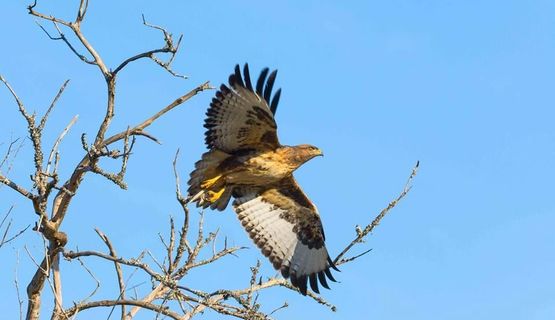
{"type": "Point", "coordinates": [240, 118]}
{"type": "Point", "coordinates": [295, 208]}
{"type": "Point", "coordinates": [300, 211]}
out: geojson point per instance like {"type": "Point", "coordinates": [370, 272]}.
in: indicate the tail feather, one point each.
{"type": "Point", "coordinates": [222, 201]}
{"type": "Point", "coordinates": [206, 187]}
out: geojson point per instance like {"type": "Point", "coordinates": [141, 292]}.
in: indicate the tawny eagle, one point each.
{"type": "Point", "coordinates": [246, 161]}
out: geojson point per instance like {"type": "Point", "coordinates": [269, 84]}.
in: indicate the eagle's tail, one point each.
{"type": "Point", "coordinates": [206, 186]}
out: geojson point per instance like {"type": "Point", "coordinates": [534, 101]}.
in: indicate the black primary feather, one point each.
{"type": "Point", "coordinates": [303, 286]}
{"type": "Point", "coordinates": [333, 264]}
{"type": "Point", "coordinates": [314, 283]}
{"type": "Point", "coordinates": [247, 75]}
{"type": "Point", "coordinates": [263, 87]}
{"type": "Point", "coordinates": [260, 82]}
{"type": "Point", "coordinates": [269, 86]}
{"type": "Point", "coordinates": [236, 77]}
{"type": "Point", "coordinates": [328, 273]}
{"type": "Point", "coordinates": [322, 278]}
{"type": "Point", "coordinates": [275, 101]}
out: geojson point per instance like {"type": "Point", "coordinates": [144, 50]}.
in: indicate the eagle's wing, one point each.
{"type": "Point", "coordinates": [285, 225]}
{"type": "Point", "coordinates": [240, 117]}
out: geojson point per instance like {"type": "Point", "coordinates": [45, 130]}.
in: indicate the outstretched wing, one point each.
{"type": "Point", "coordinates": [240, 117]}
{"type": "Point", "coordinates": [285, 225]}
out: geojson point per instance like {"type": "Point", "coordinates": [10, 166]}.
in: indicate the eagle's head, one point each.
{"type": "Point", "coordinates": [297, 155]}
{"type": "Point", "coordinates": [308, 151]}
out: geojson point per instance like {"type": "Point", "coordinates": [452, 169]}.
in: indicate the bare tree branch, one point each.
{"type": "Point", "coordinates": [110, 303]}
{"type": "Point", "coordinates": [83, 6]}
{"type": "Point", "coordinates": [168, 48]}
{"type": "Point", "coordinates": [16, 283]}
{"type": "Point", "coordinates": [63, 37]}
{"type": "Point", "coordinates": [10, 155]}
{"type": "Point", "coordinates": [5, 238]}
{"type": "Point", "coordinates": [62, 198]}
{"type": "Point", "coordinates": [31, 11]}
{"type": "Point", "coordinates": [22, 109]}
{"type": "Point", "coordinates": [361, 234]}
{"type": "Point", "coordinates": [119, 272]}
{"type": "Point", "coordinates": [93, 292]}
{"type": "Point", "coordinates": [52, 105]}
{"type": "Point", "coordinates": [57, 286]}
{"type": "Point", "coordinates": [27, 194]}
{"type": "Point", "coordinates": [54, 149]}
{"type": "Point", "coordinates": [131, 262]}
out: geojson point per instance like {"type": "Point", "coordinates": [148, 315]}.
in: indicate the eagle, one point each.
{"type": "Point", "coordinates": [246, 161]}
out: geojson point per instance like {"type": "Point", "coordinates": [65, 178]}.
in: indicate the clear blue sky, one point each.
{"type": "Point", "coordinates": [466, 87]}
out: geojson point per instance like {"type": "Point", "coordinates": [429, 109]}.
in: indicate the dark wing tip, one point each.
{"type": "Point", "coordinates": [314, 283]}
{"type": "Point", "coordinates": [261, 80]}
{"type": "Point", "coordinates": [313, 279]}
{"type": "Point", "coordinates": [269, 86]}
{"type": "Point", "coordinates": [263, 87]}
{"type": "Point", "coordinates": [302, 284]}
{"type": "Point", "coordinates": [275, 101]}
{"type": "Point", "coordinates": [247, 75]}
{"type": "Point", "coordinates": [235, 79]}
{"type": "Point", "coordinates": [299, 283]}
{"type": "Point", "coordinates": [329, 275]}
{"type": "Point", "coordinates": [323, 281]}
{"type": "Point", "coordinates": [238, 75]}
{"type": "Point", "coordinates": [332, 264]}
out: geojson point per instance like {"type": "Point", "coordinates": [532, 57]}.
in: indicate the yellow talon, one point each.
{"type": "Point", "coordinates": [213, 196]}
{"type": "Point", "coordinates": [210, 182]}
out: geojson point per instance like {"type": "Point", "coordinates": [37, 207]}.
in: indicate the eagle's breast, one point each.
{"type": "Point", "coordinates": [260, 168]}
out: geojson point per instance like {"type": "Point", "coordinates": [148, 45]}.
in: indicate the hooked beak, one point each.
{"type": "Point", "coordinates": [319, 153]}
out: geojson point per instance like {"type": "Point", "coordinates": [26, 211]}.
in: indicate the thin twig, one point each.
{"type": "Point", "coordinates": [52, 105]}
{"type": "Point", "coordinates": [97, 286]}
{"type": "Point", "coordinates": [10, 239]}
{"type": "Point", "coordinates": [32, 11]}
{"type": "Point", "coordinates": [11, 153]}
{"type": "Point", "coordinates": [54, 149]}
{"type": "Point", "coordinates": [110, 303]}
{"type": "Point", "coordinates": [361, 234]}
{"type": "Point", "coordinates": [17, 100]}
{"type": "Point", "coordinates": [16, 281]}
{"type": "Point", "coordinates": [130, 262]}
{"type": "Point", "coordinates": [119, 272]}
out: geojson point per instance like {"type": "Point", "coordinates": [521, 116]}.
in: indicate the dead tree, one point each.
{"type": "Point", "coordinates": [51, 197]}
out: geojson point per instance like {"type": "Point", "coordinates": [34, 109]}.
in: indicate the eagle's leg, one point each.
{"type": "Point", "coordinates": [213, 196]}
{"type": "Point", "coordinates": [210, 182]}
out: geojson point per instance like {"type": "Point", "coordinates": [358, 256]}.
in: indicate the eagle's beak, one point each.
{"type": "Point", "coordinates": [319, 153]}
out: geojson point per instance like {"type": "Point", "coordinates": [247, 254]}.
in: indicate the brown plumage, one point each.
{"type": "Point", "coordinates": [245, 160]}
